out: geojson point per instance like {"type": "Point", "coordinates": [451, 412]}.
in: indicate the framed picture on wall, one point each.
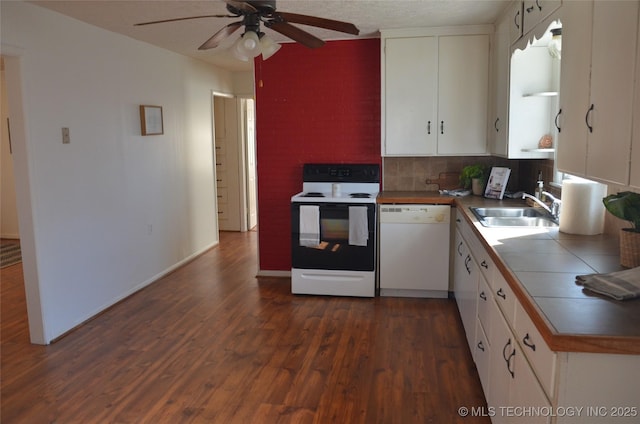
{"type": "Point", "coordinates": [151, 120]}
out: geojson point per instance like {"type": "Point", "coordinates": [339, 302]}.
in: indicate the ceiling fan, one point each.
{"type": "Point", "coordinates": [253, 42]}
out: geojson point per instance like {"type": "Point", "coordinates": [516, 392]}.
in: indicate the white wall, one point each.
{"type": "Point", "coordinates": [112, 210]}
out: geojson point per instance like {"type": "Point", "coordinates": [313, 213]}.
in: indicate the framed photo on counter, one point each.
{"type": "Point", "coordinates": [497, 182]}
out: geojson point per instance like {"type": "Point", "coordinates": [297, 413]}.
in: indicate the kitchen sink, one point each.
{"type": "Point", "coordinates": [514, 217]}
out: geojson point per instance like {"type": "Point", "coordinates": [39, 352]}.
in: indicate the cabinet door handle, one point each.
{"type": "Point", "coordinates": [539, 6]}
{"type": "Point", "coordinates": [515, 19]}
{"type": "Point", "coordinates": [458, 220]}
{"type": "Point", "coordinates": [507, 359]}
{"type": "Point", "coordinates": [483, 296]}
{"type": "Point", "coordinates": [481, 345]}
{"type": "Point", "coordinates": [495, 124]}
{"type": "Point", "coordinates": [556, 120]}
{"type": "Point", "coordinates": [458, 249]}
{"type": "Point", "coordinates": [484, 265]}
{"type": "Point", "coordinates": [587, 118]}
{"type": "Point", "coordinates": [428, 127]}
{"type": "Point", "coordinates": [526, 341]}
{"type": "Point", "coordinates": [441, 127]}
{"type": "Point", "coordinates": [501, 293]}
{"type": "Point", "coordinates": [466, 264]}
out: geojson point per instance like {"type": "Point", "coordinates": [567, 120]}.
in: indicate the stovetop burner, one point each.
{"type": "Point", "coordinates": [313, 194]}
{"type": "Point", "coordinates": [360, 195]}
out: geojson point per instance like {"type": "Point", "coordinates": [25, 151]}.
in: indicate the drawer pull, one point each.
{"type": "Point", "coordinates": [501, 294]}
{"type": "Point", "coordinates": [527, 343]}
{"type": "Point", "coordinates": [481, 345]}
{"type": "Point", "coordinates": [483, 296]}
{"type": "Point", "coordinates": [484, 265]}
{"type": "Point", "coordinates": [459, 247]}
{"type": "Point", "coordinates": [466, 264]}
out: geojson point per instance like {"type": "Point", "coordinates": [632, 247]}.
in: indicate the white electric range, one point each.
{"type": "Point", "coordinates": [333, 227]}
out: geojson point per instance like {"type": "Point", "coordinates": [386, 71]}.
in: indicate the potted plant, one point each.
{"type": "Point", "coordinates": [474, 176]}
{"type": "Point", "coordinates": [626, 205]}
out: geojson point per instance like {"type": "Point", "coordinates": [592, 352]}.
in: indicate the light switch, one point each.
{"type": "Point", "coordinates": [66, 139]}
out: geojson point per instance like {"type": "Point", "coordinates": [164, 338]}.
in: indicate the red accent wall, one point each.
{"type": "Point", "coordinates": [321, 106]}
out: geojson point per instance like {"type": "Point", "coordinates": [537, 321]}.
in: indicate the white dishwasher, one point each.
{"type": "Point", "coordinates": [414, 250]}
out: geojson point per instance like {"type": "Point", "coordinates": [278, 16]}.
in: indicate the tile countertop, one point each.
{"type": "Point", "coordinates": [540, 265]}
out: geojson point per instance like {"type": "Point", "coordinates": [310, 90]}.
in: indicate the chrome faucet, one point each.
{"type": "Point", "coordinates": [554, 210]}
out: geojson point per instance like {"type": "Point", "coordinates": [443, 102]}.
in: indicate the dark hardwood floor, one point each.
{"type": "Point", "coordinates": [210, 343]}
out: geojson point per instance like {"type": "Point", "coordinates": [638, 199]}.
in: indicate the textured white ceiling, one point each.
{"type": "Point", "coordinates": [184, 37]}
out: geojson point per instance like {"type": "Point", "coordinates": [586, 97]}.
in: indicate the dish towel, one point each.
{"type": "Point", "coordinates": [358, 226]}
{"type": "Point", "coordinates": [620, 285]}
{"type": "Point", "coordinates": [309, 225]}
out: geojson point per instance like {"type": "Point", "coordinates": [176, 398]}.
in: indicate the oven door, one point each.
{"type": "Point", "coordinates": [334, 251]}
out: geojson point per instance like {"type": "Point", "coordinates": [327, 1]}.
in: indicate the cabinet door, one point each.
{"type": "Point", "coordinates": [411, 95]}
{"type": "Point", "coordinates": [465, 287]}
{"type": "Point", "coordinates": [612, 72]}
{"type": "Point", "coordinates": [526, 391]}
{"type": "Point", "coordinates": [499, 126]}
{"type": "Point", "coordinates": [463, 64]}
{"type": "Point", "coordinates": [515, 21]}
{"type": "Point", "coordinates": [574, 86]}
{"type": "Point", "coordinates": [536, 10]}
{"type": "Point", "coordinates": [501, 364]}
{"type": "Point", "coordinates": [634, 179]}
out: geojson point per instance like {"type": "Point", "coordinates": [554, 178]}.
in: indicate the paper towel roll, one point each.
{"type": "Point", "coordinates": [582, 209]}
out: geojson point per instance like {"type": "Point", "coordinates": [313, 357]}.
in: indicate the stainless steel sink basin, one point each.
{"type": "Point", "coordinates": [514, 217]}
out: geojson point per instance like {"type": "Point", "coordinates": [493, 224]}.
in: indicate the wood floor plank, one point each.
{"type": "Point", "coordinates": [211, 343]}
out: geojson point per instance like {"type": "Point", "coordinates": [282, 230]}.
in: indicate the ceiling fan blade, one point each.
{"type": "Point", "coordinates": [184, 19]}
{"type": "Point", "coordinates": [295, 34]}
{"type": "Point", "coordinates": [319, 22]}
{"type": "Point", "coordinates": [241, 5]}
{"type": "Point", "coordinates": [220, 35]}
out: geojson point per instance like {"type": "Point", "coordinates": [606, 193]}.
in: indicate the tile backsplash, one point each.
{"type": "Point", "coordinates": [411, 173]}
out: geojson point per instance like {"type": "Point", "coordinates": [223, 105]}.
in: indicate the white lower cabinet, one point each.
{"type": "Point", "coordinates": [514, 393]}
{"type": "Point", "coordinates": [524, 381]}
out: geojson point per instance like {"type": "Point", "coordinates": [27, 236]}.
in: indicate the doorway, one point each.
{"type": "Point", "coordinates": [9, 209]}
{"type": "Point", "coordinates": [235, 162]}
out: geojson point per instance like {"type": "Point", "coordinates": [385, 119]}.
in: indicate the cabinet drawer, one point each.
{"type": "Point", "coordinates": [223, 195]}
{"type": "Point", "coordinates": [542, 359]}
{"type": "Point", "coordinates": [484, 303]}
{"type": "Point", "coordinates": [504, 297]}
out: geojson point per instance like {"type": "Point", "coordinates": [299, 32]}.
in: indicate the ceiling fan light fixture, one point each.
{"type": "Point", "coordinates": [248, 46]}
{"type": "Point", "coordinates": [268, 46]}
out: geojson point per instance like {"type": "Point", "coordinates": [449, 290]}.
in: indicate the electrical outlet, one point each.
{"type": "Point", "coordinates": [66, 139]}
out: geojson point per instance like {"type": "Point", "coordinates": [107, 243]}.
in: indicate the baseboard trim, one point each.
{"type": "Point", "coordinates": [272, 273]}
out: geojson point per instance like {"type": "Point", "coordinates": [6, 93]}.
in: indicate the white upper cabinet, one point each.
{"type": "Point", "coordinates": [498, 129]}
{"type": "Point", "coordinates": [411, 96]}
{"type": "Point", "coordinates": [434, 92]}
{"type": "Point", "coordinates": [599, 54]}
{"type": "Point", "coordinates": [515, 21]}
{"type": "Point", "coordinates": [526, 84]}
{"type": "Point", "coordinates": [463, 90]}
{"type": "Point", "coordinates": [634, 179]}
